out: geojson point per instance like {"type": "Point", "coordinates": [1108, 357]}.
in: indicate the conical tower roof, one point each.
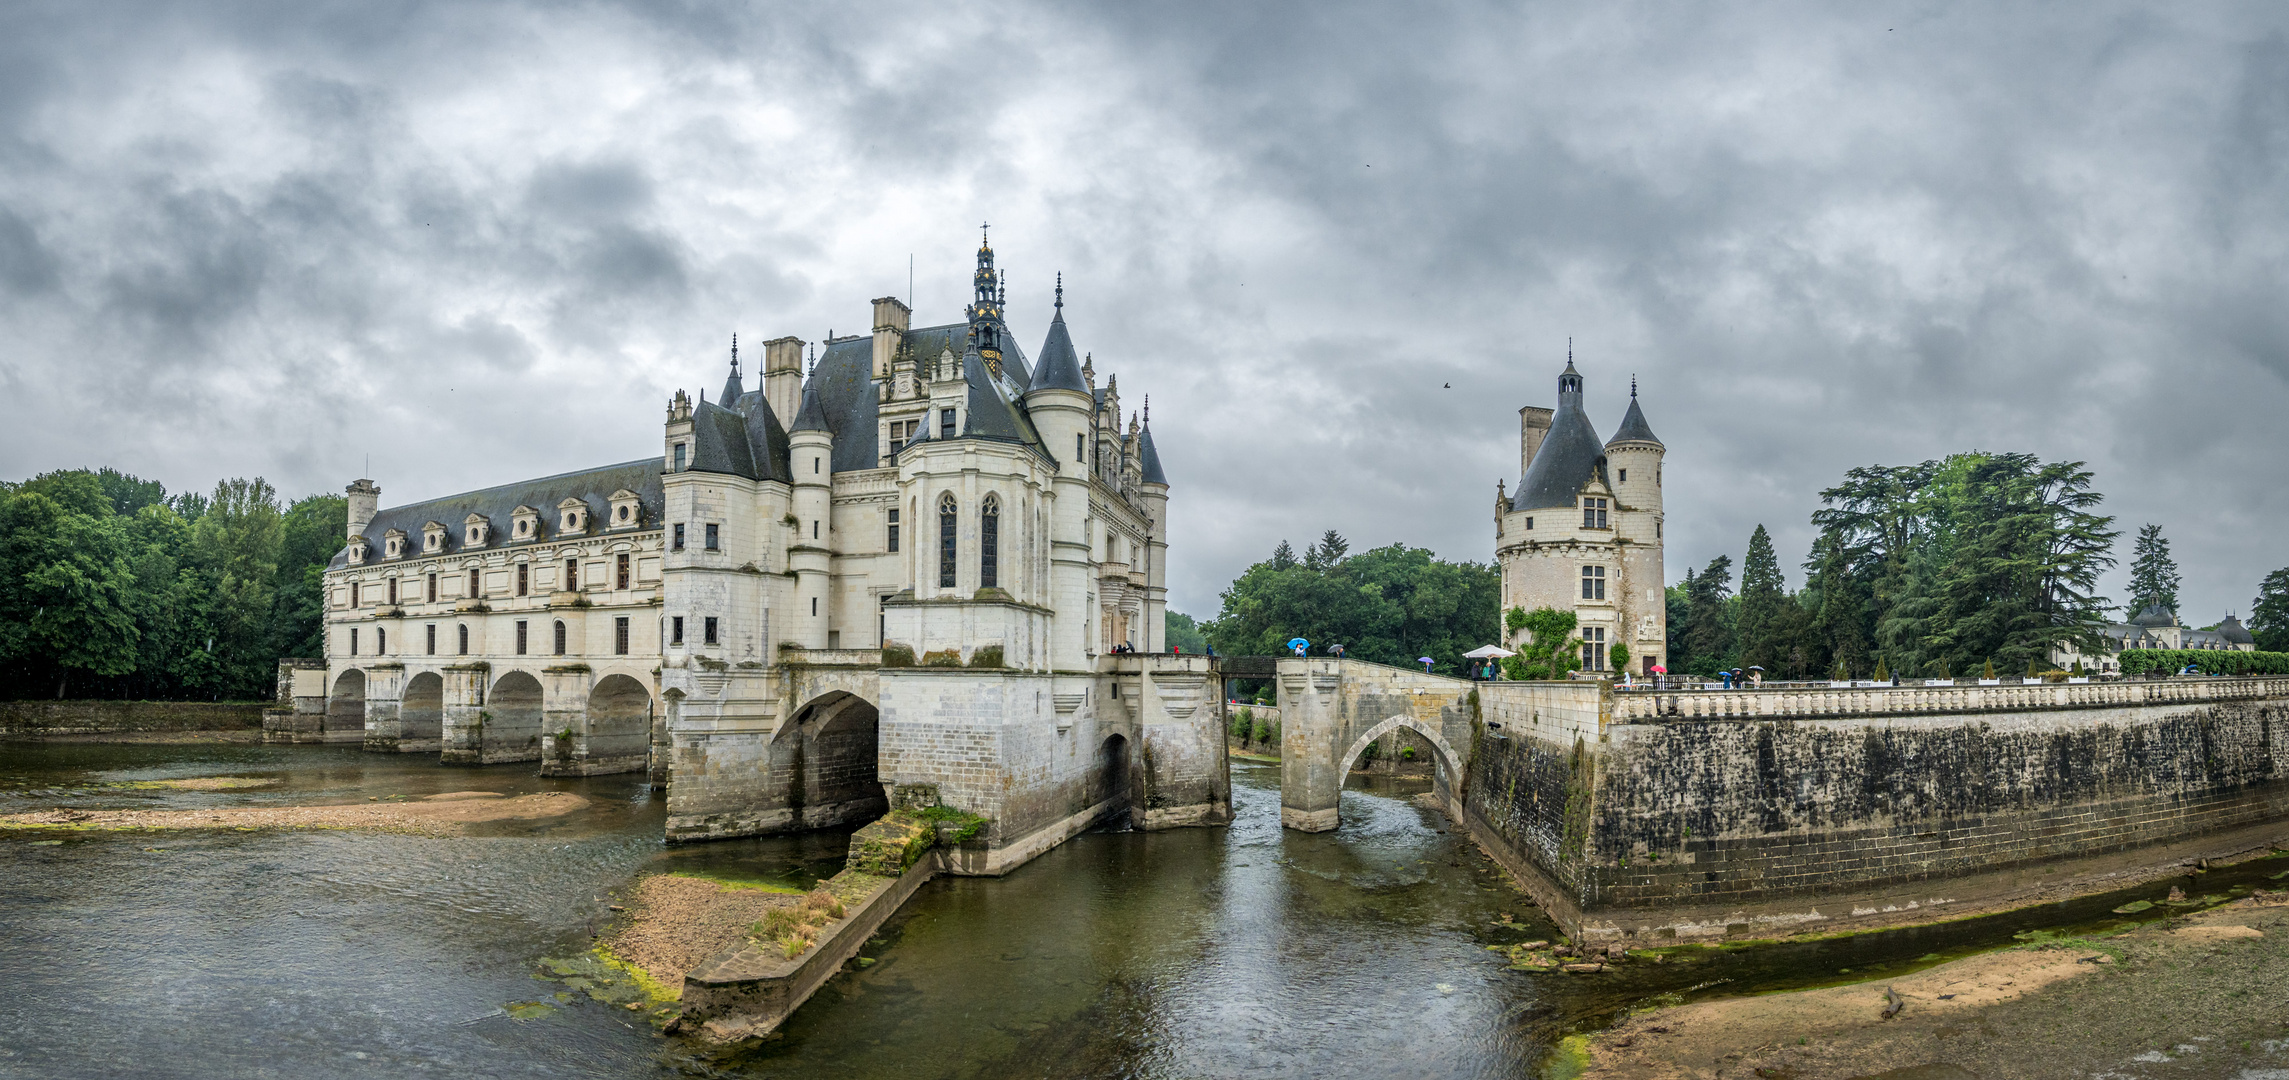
{"type": "Point", "coordinates": [812, 415]}
{"type": "Point", "coordinates": [1149, 455]}
{"type": "Point", "coordinates": [1633, 425]}
{"type": "Point", "coordinates": [1059, 368]}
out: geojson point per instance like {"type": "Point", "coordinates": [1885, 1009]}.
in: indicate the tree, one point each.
{"type": "Point", "coordinates": [2269, 612]}
{"type": "Point", "coordinates": [2153, 573]}
{"type": "Point", "coordinates": [1388, 605]}
{"type": "Point", "coordinates": [1709, 616]}
{"type": "Point", "coordinates": [1183, 633]}
{"type": "Point", "coordinates": [66, 586]}
{"type": "Point", "coordinates": [1283, 556]}
{"type": "Point", "coordinates": [1763, 597]}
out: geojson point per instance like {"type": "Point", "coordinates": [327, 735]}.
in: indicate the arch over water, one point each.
{"type": "Point", "coordinates": [346, 706]}
{"type": "Point", "coordinates": [825, 763]}
{"type": "Point", "coordinates": [619, 724]}
{"type": "Point", "coordinates": [1449, 763]}
{"type": "Point", "coordinates": [1109, 776]}
{"type": "Point", "coordinates": [421, 711]}
{"type": "Point", "coordinates": [510, 723]}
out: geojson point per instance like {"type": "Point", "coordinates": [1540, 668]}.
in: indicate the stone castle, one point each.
{"type": "Point", "coordinates": [1583, 531]}
{"type": "Point", "coordinates": [930, 569]}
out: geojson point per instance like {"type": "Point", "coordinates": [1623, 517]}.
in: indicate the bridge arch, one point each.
{"type": "Point", "coordinates": [346, 707]}
{"type": "Point", "coordinates": [1449, 771]}
{"type": "Point", "coordinates": [826, 761]}
{"type": "Point", "coordinates": [511, 721]}
{"type": "Point", "coordinates": [421, 712]}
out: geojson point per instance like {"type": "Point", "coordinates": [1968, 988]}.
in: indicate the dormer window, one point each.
{"type": "Point", "coordinates": [524, 523]}
{"type": "Point", "coordinates": [572, 517]}
{"type": "Point", "coordinates": [393, 544]}
{"type": "Point", "coordinates": [1594, 514]}
{"type": "Point", "coordinates": [627, 510]}
{"type": "Point", "coordinates": [357, 553]}
{"type": "Point", "coordinates": [474, 530]}
{"type": "Point", "coordinates": [432, 538]}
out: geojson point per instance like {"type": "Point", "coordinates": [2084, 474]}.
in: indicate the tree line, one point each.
{"type": "Point", "coordinates": [1389, 605]}
{"type": "Point", "coordinates": [112, 588]}
{"type": "Point", "coordinates": [1946, 568]}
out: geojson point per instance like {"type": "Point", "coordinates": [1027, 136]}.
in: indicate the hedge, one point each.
{"type": "Point", "coordinates": [2206, 661]}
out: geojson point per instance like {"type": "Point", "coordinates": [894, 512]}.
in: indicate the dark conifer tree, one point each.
{"type": "Point", "coordinates": [2153, 573]}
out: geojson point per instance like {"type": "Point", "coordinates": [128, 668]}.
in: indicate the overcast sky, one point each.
{"type": "Point", "coordinates": [479, 242]}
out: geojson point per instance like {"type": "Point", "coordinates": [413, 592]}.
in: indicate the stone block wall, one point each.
{"type": "Point", "coordinates": [1629, 825]}
{"type": "Point", "coordinates": [89, 717]}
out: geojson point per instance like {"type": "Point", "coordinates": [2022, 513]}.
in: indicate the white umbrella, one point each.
{"type": "Point", "coordinates": [1485, 651]}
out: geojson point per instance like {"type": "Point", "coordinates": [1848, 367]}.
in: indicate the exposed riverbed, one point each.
{"type": "Point", "coordinates": [1249, 951]}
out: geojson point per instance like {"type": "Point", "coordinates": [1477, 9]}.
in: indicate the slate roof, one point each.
{"type": "Point", "coordinates": [1566, 460]}
{"type": "Point", "coordinates": [2232, 630]}
{"type": "Point", "coordinates": [732, 391]}
{"type": "Point", "coordinates": [813, 415]}
{"type": "Point", "coordinates": [2154, 614]}
{"type": "Point", "coordinates": [593, 487]}
{"type": "Point", "coordinates": [1633, 426]}
{"type": "Point", "coordinates": [1152, 470]}
{"type": "Point", "coordinates": [993, 411]}
{"type": "Point", "coordinates": [1060, 369]}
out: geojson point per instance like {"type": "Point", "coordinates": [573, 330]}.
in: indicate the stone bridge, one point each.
{"type": "Point", "coordinates": [1332, 708]}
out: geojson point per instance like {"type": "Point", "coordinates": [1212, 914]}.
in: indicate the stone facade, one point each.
{"type": "Point", "coordinates": [924, 560]}
{"type": "Point", "coordinates": [1583, 531]}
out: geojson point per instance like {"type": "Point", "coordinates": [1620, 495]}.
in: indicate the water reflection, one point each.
{"type": "Point", "coordinates": [1240, 952]}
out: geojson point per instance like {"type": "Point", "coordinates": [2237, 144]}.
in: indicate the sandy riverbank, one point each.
{"type": "Point", "coordinates": [448, 814]}
{"type": "Point", "coordinates": [674, 923]}
{"type": "Point", "coordinates": [2200, 996]}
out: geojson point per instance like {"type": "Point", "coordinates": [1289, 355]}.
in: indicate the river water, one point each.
{"type": "Point", "coordinates": [1241, 952]}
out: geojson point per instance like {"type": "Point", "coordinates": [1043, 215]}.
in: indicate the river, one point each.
{"type": "Point", "coordinates": [1242, 952]}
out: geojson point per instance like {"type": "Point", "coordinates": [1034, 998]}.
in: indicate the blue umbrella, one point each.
{"type": "Point", "coordinates": [1298, 643]}
{"type": "Point", "coordinates": [1425, 661]}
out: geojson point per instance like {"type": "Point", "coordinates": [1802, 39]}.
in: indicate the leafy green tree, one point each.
{"type": "Point", "coordinates": [2153, 573]}
{"type": "Point", "coordinates": [1388, 605]}
{"type": "Point", "coordinates": [66, 585]}
{"type": "Point", "coordinates": [1182, 632]}
{"type": "Point", "coordinates": [2269, 612]}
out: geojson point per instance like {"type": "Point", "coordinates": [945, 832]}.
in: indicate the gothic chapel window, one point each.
{"type": "Point", "coordinates": [989, 544]}
{"type": "Point", "coordinates": [947, 520]}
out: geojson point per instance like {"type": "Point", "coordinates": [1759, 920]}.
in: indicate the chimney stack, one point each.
{"type": "Point", "coordinates": [783, 377]}
{"type": "Point", "coordinates": [365, 496]}
{"type": "Point", "coordinates": [890, 321]}
{"type": "Point", "coordinates": [1533, 427]}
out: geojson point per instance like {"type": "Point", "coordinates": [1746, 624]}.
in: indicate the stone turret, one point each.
{"type": "Point", "coordinates": [1153, 490]}
{"type": "Point", "coordinates": [1060, 404]}
{"type": "Point", "coordinates": [810, 454]}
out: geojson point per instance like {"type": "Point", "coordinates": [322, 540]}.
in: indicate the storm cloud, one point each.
{"type": "Point", "coordinates": [476, 242]}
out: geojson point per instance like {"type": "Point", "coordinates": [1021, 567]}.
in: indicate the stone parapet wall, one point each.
{"type": "Point", "coordinates": [1734, 818]}
{"type": "Point", "coordinates": [98, 717]}
{"type": "Point", "coordinates": [1911, 700]}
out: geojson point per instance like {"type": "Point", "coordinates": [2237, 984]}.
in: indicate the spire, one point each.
{"type": "Point", "coordinates": [985, 307]}
{"type": "Point", "coordinates": [732, 388]}
{"type": "Point", "coordinates": [1147, 453]}
{"type": "Point", "coordinates": [1569, 381]}
{"type": "Point", "coordinates": [1633, 426]}
{"type": "Point", "coordinates": [1057, 369]}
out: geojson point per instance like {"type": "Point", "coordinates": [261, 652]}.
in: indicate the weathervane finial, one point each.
{"type": "Point", "coordinates": [1061, 290]}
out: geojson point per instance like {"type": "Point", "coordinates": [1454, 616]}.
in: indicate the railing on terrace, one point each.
{"type": "Point", "coordinates": [1656, 705]}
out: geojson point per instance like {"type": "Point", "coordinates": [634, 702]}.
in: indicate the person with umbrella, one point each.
{"type": "Point", "coordinates": [1659, 674]}
{"type": "Point", "coordinates": [1426, 662]}
{"type": "Point", "coordinates": [1756, 677]}
{"type": "Point", "coordinates": [1299, 645]}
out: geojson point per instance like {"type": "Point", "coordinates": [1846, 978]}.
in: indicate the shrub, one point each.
{"type": "Point", "coordinates": [896, 655]}
{"type": "Point", "coordinates": [1617, 657]}
{"type": "Point", "coordinates": [942, 658]}
{"type": "Point", "coordinates": [1274, 738]}
{"type": "Point", "coordinates": [986, 656]}
{"type": "Point", "coordinates": [1884, 674]}
{"type": "Point", "coordinates": [1261, 733]}
{"type": "Point", "coordinates": [1406, 753]}
{"type": "Point", "coordinates": [2207, 661]}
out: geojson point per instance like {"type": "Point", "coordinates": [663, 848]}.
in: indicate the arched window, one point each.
{"type": "Point", "coordinates": [560, 639]}
{"type": "Point", "coordinates": [947, 519]}
{"type": "Point", "coordinates": [989, 544]}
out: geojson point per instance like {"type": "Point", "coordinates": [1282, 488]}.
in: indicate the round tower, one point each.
{"type": "Point", "coordinates": [810, 454]}
{"type": "Point", "coordinates": [1062, 408]}
{"type": "Point", "coordinates": [1633, 469]}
